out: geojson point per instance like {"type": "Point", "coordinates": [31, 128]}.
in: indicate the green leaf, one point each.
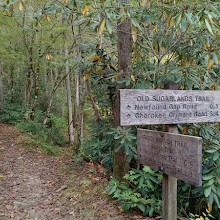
{"type": "Point", "coordinates": [128, 82]}
{"type": "Point", "coordinates": [154, 179]}
{"type": "Point", "coordinates": [147, 169]}
{"type": "Point", "coordinates": [214, 188]}
{"type": "Point", "coordinates": [126, 149]}
{"type": "Point", "coordinates": [108, 26]}
{"type": "Point", "coordinates": [178, 20]}
{"type": "Point", "coordinates": [209, 27]}
{"type": "Point", "coordinates": [141, 207]}
{"type": "Point", "coordinates": [207, 191]}
{"type": "Point", "coordinates": [210, 182]}
{"type": "Point", "coordinates": [183, 25]}
{"type": "Point", "coordinates": [189, 17]}
{"type": "Point", "coordinates": [188, 83]}
{"type": "Point", "coordinates": [216, 156]}
{"type": "Point", "coordinates": [216, 200]}
{"type": "Point", "coordinates": [151, 211]}
{"type": "Point", "coordinates": [218, 180]}
{"type": "Point", "coordinates": [211, 151]}
{"type": "Point", "coordinates": [210, 18]}
{"type": "Point", "coordinates": [210, 198]}
{"type": "Point", "coordinates": [141, 181]}
{"type": "Point", "coordinates": [207, 177]}
{"type": "Point", "coordinates": [113, 189]}
{"type": "Point", "coordinates": [215, 58]}
{"type": "Point", "coordinates": [118, 149]}
{"type": "Point", "coordinates": [135, 23]}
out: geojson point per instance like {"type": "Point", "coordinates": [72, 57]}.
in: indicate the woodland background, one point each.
{"type": "Point", "coordinates": [63, 62]}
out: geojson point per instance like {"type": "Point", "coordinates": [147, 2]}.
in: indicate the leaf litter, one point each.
{"type": "Point", "coordinates": [39, 187]}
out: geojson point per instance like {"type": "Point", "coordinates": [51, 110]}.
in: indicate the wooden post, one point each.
{"type": "Point", "coordinates": [169, 195]}
{"type": "Point", "coordinates": [121, 166]}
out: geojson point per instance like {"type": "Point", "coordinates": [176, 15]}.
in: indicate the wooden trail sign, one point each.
{"type": "Point", "coordinates": [139, 107]}
{"type": "Point", "coordinates": [176, 155]}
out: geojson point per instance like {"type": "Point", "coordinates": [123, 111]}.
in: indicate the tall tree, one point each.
{"type": "Point", "coordinates": [121, 166]}
{"type": "Point", "coordinates": [68, 90]}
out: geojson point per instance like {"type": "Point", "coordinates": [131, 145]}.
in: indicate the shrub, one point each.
{"type": "Point", "coordinates": [144, 192]}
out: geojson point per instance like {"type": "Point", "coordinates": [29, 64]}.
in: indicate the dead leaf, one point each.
{"type": "Point", "coordinates": [87, 76]}
{"type": "Point", "coordinates": [12, 216]}
{"type": "Point", "coordinates": [52, 183]}
{"type": "Point", "coordinates": [95, 179]}
{"type": "Point", "coordinates": [20, 6]}
{"type": "Point", "coordinates": [57, 210]}
{"type": "Point", "coordinates": [120, 209]}
{"type": "Point", "coordinates": [150, 23]}
{"type": "Point", "coordinates": [102, 26]}
{"type": "Point", "coordinates": [48, 18]}
{"type": "Point", "coordinates": [134, 33]}
{"type": "Point", "coordinates": [132, 77]}
{"type": "Point", "coordinates": [172, 22]}
{"type": "Point", "coordinates": [85, 9]}
{"type": "Point", "coordinates": [211, 63]}
{"type": "Point", "coordinates": [203, 45]}
{"type": "Point", "coordinates": [61, 188]}
{"type": "Point", "coordinates": [156, 46]}
{"type": "Point", "coordinates": [105, 114]}
{"type": "Point", "coordinates": [39, 24]}
{"type": "Point", "coordinates": [103, 213]}
{"type": "Point", "coordinates": [95, 58]}
{"type": "Point", "coordinates": [185, 129]}
{"type": "Point", "coordinates": [99, 62]}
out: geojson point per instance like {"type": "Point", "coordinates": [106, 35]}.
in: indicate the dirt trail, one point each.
{"type": "Point", "coordinates": [34, 186]}
{"type": "Point", "coordinates": [30, 183]}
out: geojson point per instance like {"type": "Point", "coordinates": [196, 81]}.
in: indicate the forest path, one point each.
{"type": "Point", "coordinates": [38, 187]}
{"type": "Point", "coordinates": [29, 182]}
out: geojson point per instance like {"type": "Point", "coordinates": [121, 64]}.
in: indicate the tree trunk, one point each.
{"type": "Point", "coordinates": [93, 103]}
{"type": "Point", "coordinates": [36, 92]}
{"type": "Point", "coordinates": [76, 100]}
{"type": "Point", "coordinates": [28, 91]}
{"type": "Point", "coordinates": [69, 100]}
{"type": "Point", "coordinates": [54, 89]}
{"type": "Point", "coordinates": [1, 88]}
{"type": "Point", "coordinates": [121, 166]}
{"type": "Point", "coordinates": [11, 85]}
{"type": "Point", "coordinates": [81, 107]}
{"type": "Point", "coordinates": [29, 76]}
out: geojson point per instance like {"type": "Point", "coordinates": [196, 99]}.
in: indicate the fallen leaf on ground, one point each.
{"type": "Point", "coordinates": [62, 188]}
{"type": "Point", "coordinates": [120, 209]}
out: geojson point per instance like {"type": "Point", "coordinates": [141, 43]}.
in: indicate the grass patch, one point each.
{"type": "Point", "coordinates": [35, 145]}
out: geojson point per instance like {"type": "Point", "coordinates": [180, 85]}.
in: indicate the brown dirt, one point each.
{"type": "Point", "coordinates": [39, 187]}
{"type": "Point", "coordinates": [29, 182]}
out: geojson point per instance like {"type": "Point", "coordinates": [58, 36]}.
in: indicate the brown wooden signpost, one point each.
{"type": "Point", "coordinates": [177, 156]}
{"type": "Point", "coordinates": [173, 154]}
{"type": "Point", "coordinates": [139, 107]}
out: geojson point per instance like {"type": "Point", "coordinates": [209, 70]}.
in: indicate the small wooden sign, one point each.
{"type": "Point", "coordinates": [139, 107]}
{"type": "Point", "coordinates": [176, 155]}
